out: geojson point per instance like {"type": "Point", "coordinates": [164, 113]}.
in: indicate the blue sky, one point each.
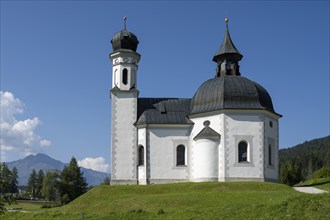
{"type": "Point", "coordinates": [56, 75]}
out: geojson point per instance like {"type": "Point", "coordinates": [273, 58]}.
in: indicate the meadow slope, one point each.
{"type": "Point", "coordinates": [236, 200]}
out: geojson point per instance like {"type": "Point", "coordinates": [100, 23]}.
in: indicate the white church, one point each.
{"type": "Point", "coordinates": [228, 131]}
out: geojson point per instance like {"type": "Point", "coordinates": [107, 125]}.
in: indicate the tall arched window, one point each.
{"type": "Point", "coordinates": [180, 155]}
{"type": "Point", "coordinates": [242, 152]}
{"type": "Point", "coordinates": [125, 76]}
{"type": "Point", "coordinates": [141, 156]}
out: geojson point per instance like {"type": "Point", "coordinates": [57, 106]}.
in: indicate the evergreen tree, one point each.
{"type": "Point", "coordinates": [50, 186]}
{"type": "Point", "coordinates": [73, 183]}
{"type": "Point", "coordinates": [14, 181]}
{"type": "Point", "coordinates": [288, 174]}
{"type": "Point", "coordinates": [39, 183]}
{"type": "Point", "coordinates": [8, 181]}
{"type": "Point", "coordinates": [5, 180]}
{"type": "Point", "coordinates": [32, 184]}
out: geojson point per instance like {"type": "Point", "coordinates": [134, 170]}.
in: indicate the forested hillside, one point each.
{"type": "Point", "coordinates": [302, 160]}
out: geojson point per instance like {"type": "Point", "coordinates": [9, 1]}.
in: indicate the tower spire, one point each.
{"type": "Point", "coordinates": [227, 56]}
{"type": "Point", "coordinates": [125, 18]}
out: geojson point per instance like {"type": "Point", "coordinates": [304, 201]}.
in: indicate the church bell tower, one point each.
{"type": "Point", "coordinates": [124, 96]}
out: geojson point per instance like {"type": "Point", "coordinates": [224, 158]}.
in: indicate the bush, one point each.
{"type": "Point", "coordinates": [321, 173]}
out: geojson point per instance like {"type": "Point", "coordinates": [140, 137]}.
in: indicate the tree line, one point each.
{"type": "Point", "coordinates": [305, 161]}
{"type": "Point", "coordinates": [53, 186]}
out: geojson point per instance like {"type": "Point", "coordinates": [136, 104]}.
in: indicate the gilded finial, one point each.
{"type": "Point", "coordinates": [226, 20]}
{"type": "Point", "coordinates": [125, 18]}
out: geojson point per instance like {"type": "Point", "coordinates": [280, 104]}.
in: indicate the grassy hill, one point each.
{"type": "Point", "coordinates": [239, 200]}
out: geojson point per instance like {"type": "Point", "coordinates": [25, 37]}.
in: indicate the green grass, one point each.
{"type": "Point", "coordinates": [325, 186]}
{"type": "Point", "coordinates": [241, 200]}
{"type": "Point", "coordinates": [321, 183]}
{"type": "Point", "coordinates": [314, 182]}
{"type": "Point", "coordinates": [26, 205]}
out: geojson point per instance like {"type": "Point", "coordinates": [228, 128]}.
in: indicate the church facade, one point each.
{"type": "Point", "coordinates": [228, 131]}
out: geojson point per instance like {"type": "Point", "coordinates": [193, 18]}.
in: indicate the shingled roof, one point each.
{"type": "Point", "coordinates": [163, 111]}
{"type": "Point", "coordinates": [230, 92]}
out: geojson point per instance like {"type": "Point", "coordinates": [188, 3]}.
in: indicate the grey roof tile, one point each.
{"type": "Point", "coordinates": [163, 111]}
{"type": "Point", "coordinates": [230, 92]}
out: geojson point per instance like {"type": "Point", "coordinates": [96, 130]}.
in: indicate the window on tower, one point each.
{"type": "Point", "coordinates": [141, 156]}
{"type": "Point", "coordinates": [242, 152]}
{"type": "Point", "coordinates": [180, 155]}
{"type": "Point", "coordinates": [270, 155]}
{"type": "Point", "coordinates": [125, 76]}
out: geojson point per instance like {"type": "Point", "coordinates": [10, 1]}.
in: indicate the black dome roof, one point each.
{"type": "Point", "coordinates": [230, 92]}
{"type": "Point", "coordinates": [124, 40]}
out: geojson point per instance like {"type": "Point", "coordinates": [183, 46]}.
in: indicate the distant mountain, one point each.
{"type": "Point", "coordinates": [45, 162]}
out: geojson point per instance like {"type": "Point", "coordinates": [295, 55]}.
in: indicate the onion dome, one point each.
{"type": "Point", "coordinates": [124, 40]}
{"type": "Point", "coordinates": [230, 92]}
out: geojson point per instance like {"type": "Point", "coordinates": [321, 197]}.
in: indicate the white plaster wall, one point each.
{"type": "Point", "coordinates": [121, 60]}
{"type": "Point", "coordinates": [142, 139]}
{"type": "Point", "coordinates": [142, 170]}
{"type": "Point", "coordinates": [162, 147]}
{"type": "Point", "coordinates": [124, 135]}
{"type": "Point", "coordinates": [205, 160]}
{"type": "Point", "coordinates": [216, 123]}
{"type": "Point", "coordinates": [271, 137]}
{"type": "Point", "coordinates": [249, 128]}
{"type": "Point", "coordinates": [117, 79]}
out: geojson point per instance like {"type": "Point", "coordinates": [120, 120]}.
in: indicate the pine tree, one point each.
{"type": "Point", "coordinates": [5, 180]}
{"type": "Point", "coordinates": [8, 184]}
{"type": "Point", "coordinates": [289, 175]}
{"type": "Point", "coordinates": [73, 183]}
{"type": "Point", "coordinates": [14, 181]}
{"type": "Point", "coordinates": [32, 184]}
{"type": "Point", "coordinates": [39, 183]}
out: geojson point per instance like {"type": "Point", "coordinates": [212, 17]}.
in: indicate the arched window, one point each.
{"type": "Point", "coordinates": [141, 156]}
{"type": "Point", "coordinates": [180, 155]}
{"type": "Point", "coordinates": [270, 155]}
{"type": "Point", "coordinates": [242, 152]}
{"type": "Point", "coordinates": [125, 76]}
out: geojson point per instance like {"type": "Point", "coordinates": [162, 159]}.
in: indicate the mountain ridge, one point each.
{"type": "Point", "coordinates": [44, 162]}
